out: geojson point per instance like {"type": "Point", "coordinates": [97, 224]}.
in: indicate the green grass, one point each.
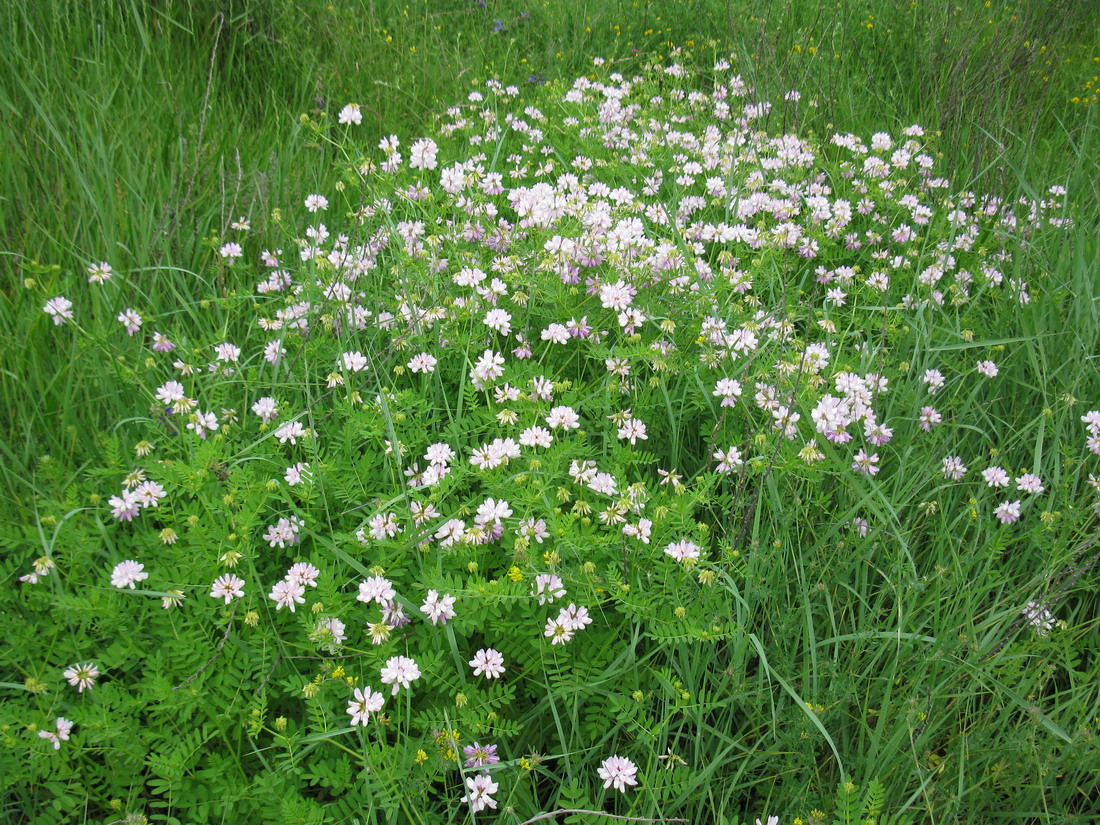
{"type": "Point", "coordinates": [136, 132]}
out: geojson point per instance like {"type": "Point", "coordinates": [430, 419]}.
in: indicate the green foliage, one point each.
{"type": "Point", "coordinates": [832, 626]}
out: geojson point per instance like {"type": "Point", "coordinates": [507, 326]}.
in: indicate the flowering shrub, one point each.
{"type": "Point", "coordinates": [510, 426]}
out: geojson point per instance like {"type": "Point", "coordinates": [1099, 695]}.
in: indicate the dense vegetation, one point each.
{"type": "Point", "coordinates": [436, 412]}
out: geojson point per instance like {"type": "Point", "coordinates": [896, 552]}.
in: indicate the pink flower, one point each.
{"type": "Point", "coordinates": [929, 418]}
{"type": "Point", "coordinates": [618, 771]}
{"type": "Point", "coordinates": [130, 319]}
{"type": "Point", "coordinates": [1008, 512]}
{"type": "Point", "coordinates": [128, 573]}
{"type": "Point", "coordinates": [60, 309]}
{"type": "Point", "coordinates": [479, 790]}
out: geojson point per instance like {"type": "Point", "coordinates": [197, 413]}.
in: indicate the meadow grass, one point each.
{"type": "Point", "coordinates": [137, 133]}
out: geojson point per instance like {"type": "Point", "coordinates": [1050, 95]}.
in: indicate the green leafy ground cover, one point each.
{"type": "Point", "coordinates": [753, 434]}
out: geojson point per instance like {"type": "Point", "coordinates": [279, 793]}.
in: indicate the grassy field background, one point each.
{"type": "Point", "coordinates": [135, 133]}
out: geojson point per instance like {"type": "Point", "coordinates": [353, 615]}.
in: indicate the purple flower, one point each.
{"type": "Point", "coordinates": [478, 756]}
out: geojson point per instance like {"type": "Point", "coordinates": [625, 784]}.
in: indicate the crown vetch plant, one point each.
{"type": "Point", "coordinates": [515, 426]}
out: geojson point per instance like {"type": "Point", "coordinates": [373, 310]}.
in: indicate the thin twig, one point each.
{"type": "Point", "coordinates": [270, 673]}
{"type": "Point", "coordinates": [217, 653]}
{"type": "Point", "coordinates": [562, 811]}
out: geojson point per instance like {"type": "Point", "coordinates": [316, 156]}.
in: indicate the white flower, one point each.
{"type": "Point", "coordinates": [201, 422]}
{"type": "Point", "coordinates": [304, 574]}
{"type": "Point", "coordinates": [988, 369]}
{"type": "Point", "coordinates": [438, 608]}
{"type": "Point", "coordinates": [1008, 511]}
{"type": "Point", "coordinates": [422, 362]}
{"type": "Point", "coordinates": [618, 295]}
{"type": "Point", "coordinates": [683, 550]}
{"type": "Point", "coordinates": [488, 662]}
{"type": "Point", "coordinates": [1030, 483]}
{"type": "Point", "coordinates": [363, 705]}
{"type": "Point", "coordinates": [1039, 617]}
{"type": "Point", "coordinates": [728, 460]}
{"type": "Point", "coordinates": [297, 473]}
{"type": "Point", "coordinates": [400, 671]}
{"type": "Point", "coordinates": [287, 593]}
{"type": "Point", "coordinates": [354, 361]}
{"type": "Point", "coordinates": [422, 154]}
{"type": "Point", "coordinates": [499, 320]}
{"type": "Point", "coordinates": [557, 632]}
{"type": "Point", "coordinates": [227, 352]}
{"type": "Point", "coordinates": [564, 417]}
{"type": "Point", "coordinates": [316, 202]}
{"type": "Point", "coordinates": [227, 587]}
{"type": "Point", "coordinates": [618, 771]}
{"type": "Point", "coordinates": [99, 273]}
{"type": "Point", "coordinates": [728, 390]}
{"type": "Point", "coordinates": [82, 676]}
{"type": "Point", "coordinates": [63, 728]}
{"type": "Point", "coordinates": [351, 114]}
{"type": "Point", "coordinates": [291, 431]}
{"type": "Point", "coordinates": [536, 437]}
{"type": "Point", "coordinates": [574, 618]}
{"type": "Point", "coordinates": [375, 589]}
{"type": "Point", "coordinates": [631, 430]}
{"type": "Point", "coordinates": [548, 587]}
{"type": "Point", "coordinates": [127, 573]}
{"type": "Point", "coordinates": [60, 309]}
{"type": "Point", "coordinates": [266, 408]}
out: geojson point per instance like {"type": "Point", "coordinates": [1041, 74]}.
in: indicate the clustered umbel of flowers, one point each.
{"type": "Point", "coordinates": [684, 243]}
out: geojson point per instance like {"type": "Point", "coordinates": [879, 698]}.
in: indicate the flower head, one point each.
{"type": "Point", "coordinates": [82, 676]}
{"type": "Point", "coordinates": [351, 114]}
{"type": "Point", "coordinates": [478, 756]}
{"type": "Point", "coordinates": [401, 672]}
{"type": "Point", "coordinates": [479, 791]}
{"type": "Point", "coordinates": [488, 663]}
{"type": "Point", "coordinates": [287, 593]}
{"type": "Point", "coordinates": [128, 573]}
{"type": "Point", "coordinates": [438, 608]}
{"type": "Point", "coordinates": [227, 587]}
{"type": "Point", "coordinates": [60, 309]}
{"type": "Point", "coordinates": [364, 703]}
{"type": "Point", "coordinates": [618, 771]}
